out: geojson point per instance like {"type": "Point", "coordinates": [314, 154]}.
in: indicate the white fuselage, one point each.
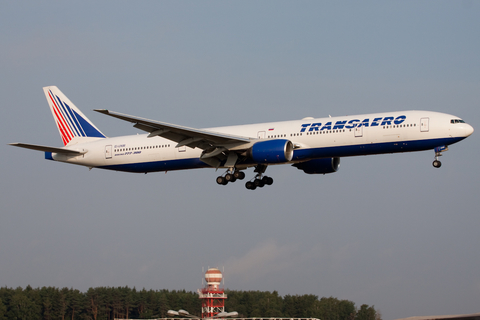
{"type": "Point", "coordinates": [390, 132]}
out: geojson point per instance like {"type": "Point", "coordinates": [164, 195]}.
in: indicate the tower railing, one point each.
{"type": "Point", "coordinates": [209, 294]}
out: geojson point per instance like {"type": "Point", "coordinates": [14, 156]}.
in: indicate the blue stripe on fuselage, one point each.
{"type": "Point", "coordinates": [373, 148]}
{"type": "Point", "coordinates": [168, 165]}
{"type": "Point", "coordinates": [299, 154]}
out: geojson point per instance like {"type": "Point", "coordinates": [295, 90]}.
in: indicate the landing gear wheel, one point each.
{"type": "Point", "coordinates": [240, 175]}
{"type": "Point", "coordinates": [221, 180]}
{"type": "Point", "coordinates": [230, 177]}
{"type": "Point", "coordinates": [267, 180]}
{"type": "Point", "coordinates": [258, 183]}
{"type": "Point", "coordinates": [250, 185]}
{"type": "Point", "coordinates": [437, 164]}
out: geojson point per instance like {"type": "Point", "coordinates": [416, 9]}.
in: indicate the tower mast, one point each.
{"type": "Point", "coordinates": [213, 297]}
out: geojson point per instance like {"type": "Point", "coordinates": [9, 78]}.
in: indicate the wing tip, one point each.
{"type": "Point", "coordinates": [104, 111]}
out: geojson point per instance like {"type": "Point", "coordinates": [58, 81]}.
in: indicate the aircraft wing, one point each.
{"type": "Point", "coordinates": [184, 136]}
{"type": "Point", "coordinates": [45, 148]}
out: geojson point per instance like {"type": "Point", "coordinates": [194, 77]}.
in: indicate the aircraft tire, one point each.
{"type": "Point", "coordinates": [250, 185]}
{"type": "Point", "coordinates": [221, 180]}
{"type": "Point", "coordinates": [230, 177]}
{"type": "Point", "coordinates": [258, 183]}
{"type": "Point", "coordinates": [267, 180]}
{"type": "Point", "coordinates": [240, 175]}
{"type": "Point", "coordinates": [437, 164]}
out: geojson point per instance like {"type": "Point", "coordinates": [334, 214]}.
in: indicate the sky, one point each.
{"type": "Point", "coordinates": [386, 230]}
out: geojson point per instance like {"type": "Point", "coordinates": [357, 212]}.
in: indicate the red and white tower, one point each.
{"type": "Point", "coordinates": [213, 297]}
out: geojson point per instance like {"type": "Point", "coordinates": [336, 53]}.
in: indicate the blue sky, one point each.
{"type": "Point", "coordinates": [389, 231]}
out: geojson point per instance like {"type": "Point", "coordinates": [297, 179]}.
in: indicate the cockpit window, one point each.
{"type": "Point", "coordinates": [457, 121]}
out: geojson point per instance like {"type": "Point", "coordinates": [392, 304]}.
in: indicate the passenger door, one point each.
{"type": "Point", "coordinates": [108, 152]}
{"type": "Point", "coordinates": [424, 124]}
{"type": "Point", "coordinates": [358, 131]}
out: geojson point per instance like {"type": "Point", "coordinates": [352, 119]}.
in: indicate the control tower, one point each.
{"type": "Point", "coordinates": [213, 297]}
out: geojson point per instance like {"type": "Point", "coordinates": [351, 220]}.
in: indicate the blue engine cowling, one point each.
{"type": "Point", "coordinates": [319, 166]}
{"type": "Point", "coordinates": [272, 151]}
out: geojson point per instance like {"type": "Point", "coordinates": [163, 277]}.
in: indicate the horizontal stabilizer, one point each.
{"type": "Point", "coordinates": [45, 148]}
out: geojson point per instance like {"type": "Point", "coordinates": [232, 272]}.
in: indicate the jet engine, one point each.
{"type": "Point", "coordinates": [319, 166]}
{"type": "Point", "coordinates": [272, 151]}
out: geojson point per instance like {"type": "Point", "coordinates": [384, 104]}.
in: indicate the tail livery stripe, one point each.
{"type": "Point", "coordinates": [60, 119]}
{"type": "Point", "coordinates": [65, 115]}
{"type": "Point", "coordinates": [71, 122]}
{"type": "Point", "coordinates": [66, 136]}
{"type": "Point", "coordinates": [62, 134]}
{"type": "Point", "coordinates": [68, 115]}
{"type": "Point", "coordinates": [65, 131]}
{"type": "Point", "coordinates": [77, 122]}
{"type": "Point", "coordinates": [88, 128]}
{"type": "Point", "coordinates": [66, 118]}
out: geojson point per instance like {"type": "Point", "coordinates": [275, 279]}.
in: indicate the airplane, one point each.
{"type": "Point", "coordinates": [313, 145]}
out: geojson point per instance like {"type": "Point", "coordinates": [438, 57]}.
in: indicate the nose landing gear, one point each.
{"type": "Point", "coordinates": [438, 153]}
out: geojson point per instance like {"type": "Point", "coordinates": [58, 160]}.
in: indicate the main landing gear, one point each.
{"type": "Point", "coordinates": [232, 175]}
{"type": "Point", "coordinates": [259, 182]}
{"type": "Point", "coordinates": [438, 153]}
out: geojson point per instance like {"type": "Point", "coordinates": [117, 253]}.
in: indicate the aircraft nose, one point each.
{"type": "Point", "coordinates": [468, 130]}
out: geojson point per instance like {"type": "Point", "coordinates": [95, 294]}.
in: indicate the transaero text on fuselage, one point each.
{"type": "Point", "coordinates": [382, 121]}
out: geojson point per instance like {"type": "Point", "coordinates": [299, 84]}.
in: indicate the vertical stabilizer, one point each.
{"type": "Point", "coordinates": [71, 122]}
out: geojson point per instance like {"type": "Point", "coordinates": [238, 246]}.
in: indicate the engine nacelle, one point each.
{"type": "Point", "coordinates": [272, 151]}
{"type": "Point", "coordinates": [319, 166]}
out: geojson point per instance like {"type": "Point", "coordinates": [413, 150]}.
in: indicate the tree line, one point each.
{"type": "Point", "coordinates": [108, 303]}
